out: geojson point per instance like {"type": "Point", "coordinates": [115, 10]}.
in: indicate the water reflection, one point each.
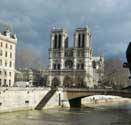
{"type": "Point", "coordinates": [102, 115]}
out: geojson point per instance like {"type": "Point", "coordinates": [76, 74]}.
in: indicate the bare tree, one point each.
{"type": "Point", "coordinates": [29, 58]}
{"type": "Point", "coordinates": [114, 73]}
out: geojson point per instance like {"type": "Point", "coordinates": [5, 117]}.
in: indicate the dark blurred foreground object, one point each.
{"type": "Point", "coordinates": [128, 57]}
{"type": "Point", "coordinates": [128, 63]}
{"type": "Point", "coordinates": [127, 88]}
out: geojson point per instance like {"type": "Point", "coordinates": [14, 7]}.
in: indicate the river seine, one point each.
{"type": "Point", "coordinates": [101, 115]}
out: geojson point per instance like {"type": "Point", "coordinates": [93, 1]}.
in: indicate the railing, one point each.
{"type": "Point", "coordinates": [95, 90]}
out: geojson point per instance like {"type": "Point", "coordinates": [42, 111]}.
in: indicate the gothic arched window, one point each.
{"type": "Point", "coordinates": [58, 66]}
{"type": "Point", "coordinates": [66, 42]}
{"type": "Point", "coordinates": [60, 40]}
{"type": "Point", "coordinates": [79, 40]}
{"type": "Point", "coordinates": [55, 41]}
{"type": "Point", "coordinates": [78, 66]}
{"type": "Point", "coordinates": [54, 66]}
{"type": "Point", "coordinates": [83, 40]}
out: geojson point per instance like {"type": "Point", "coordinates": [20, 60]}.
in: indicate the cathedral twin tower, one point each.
{"type": "Point", "coordinates": [70, 67]}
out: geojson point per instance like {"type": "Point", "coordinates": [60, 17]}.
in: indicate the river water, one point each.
{"type": "Point", "coordinates": [101, 115]}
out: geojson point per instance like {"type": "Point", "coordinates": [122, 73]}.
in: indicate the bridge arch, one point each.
{"type": "Point", "coordinates": [75, 95]}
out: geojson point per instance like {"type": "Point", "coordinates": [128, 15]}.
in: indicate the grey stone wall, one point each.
{"type": "Point", "coordinates": [12, 99]}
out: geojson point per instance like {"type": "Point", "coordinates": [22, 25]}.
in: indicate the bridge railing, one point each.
{"type": "Point", "coordinates": [96, 90]}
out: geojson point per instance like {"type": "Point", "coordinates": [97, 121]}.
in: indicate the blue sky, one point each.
{"type": "Point", "coordinates": [109, 21]}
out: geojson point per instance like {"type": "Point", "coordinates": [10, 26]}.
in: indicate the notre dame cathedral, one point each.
{"type": "Point", "coordinates": [70, 67]}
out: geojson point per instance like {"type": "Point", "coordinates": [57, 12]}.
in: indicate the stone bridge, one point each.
{"type": "Point", "coordinates": [74, 95]}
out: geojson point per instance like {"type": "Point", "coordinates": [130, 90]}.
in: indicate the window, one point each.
{"type": "Point", "coordinates": [66, 42]}
{"type": "Point", "coordinates": [0, 62]}
{"type": "Point", "coordinates": [79, 40]}
{"type": "Point", "coordinates": [58, 66]}
{"type": "Point", "coordinates": [94, 64]}
{"type": "Point", "coordinates": [1, 53]}
{"type": "Point", "coordinates": [1, 44]}
{"type": "Point", "coordinates": [10, 64]}
{"type": "Point", "coordinates": [10, 73]}
{"type": "Point", "coordinates": [5, 54]}
{"type": "Point", "coordinates": [0, 82]}
{"type": "Point", "coordinates": [5, 73]}
{"type": "Point", "coordinates": [4, 82]}
{"type": "Point", "coordinates": [10, 46]}
{"type": "Point", "coordinates": [55, 41]}
{"type": "Point", "coordinates": [6, 45]}
{"type": "Point", "coordinates": [60, 39]}
{"type": "Point", "coordinates": [83, 40]}
{"type": "Point", "coordinates": [5, 63]}
{"type": "Point", "coordinates": [54, 66]}
{"type": "Point", "coordinates": [82, 66]}
{"type": "Point", "coordinates": [78, 66]}
{"type": "Point", "coordinates": [10, 55]}
{"type": "Point", "coordinates": [9, 82]}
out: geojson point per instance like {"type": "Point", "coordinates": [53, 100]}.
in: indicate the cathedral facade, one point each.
{"type": "Point", "coordinates": [70, 67]}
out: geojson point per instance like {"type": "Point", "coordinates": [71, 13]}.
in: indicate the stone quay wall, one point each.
{"type": "Point", "coordinates": [18, 98]}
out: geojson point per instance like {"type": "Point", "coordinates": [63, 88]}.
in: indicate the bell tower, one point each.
{"type": "Point", "coordinates": [58, 43]}
{"type": "Point", "coordinates": [83, 52]}
{"type": "Point", "coordinates": [58, 39]}
{"type": "Point", "coordinates": [82, 38]}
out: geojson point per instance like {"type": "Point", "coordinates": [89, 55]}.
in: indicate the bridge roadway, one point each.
{"type": "Point", "coordinates": [74, 95]}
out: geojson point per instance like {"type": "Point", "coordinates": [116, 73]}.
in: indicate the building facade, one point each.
{"type": "Point", "coordinates": [70, 67]}
{"type": "Point", "coordinates": [8, 42]}
{"type": "Point", "coordinates": [31, 77]}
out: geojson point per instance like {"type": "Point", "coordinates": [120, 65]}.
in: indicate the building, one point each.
{"type": "Point", "coordinates": [8, 42]}
{"type": "Point", "coordinates": [70, 67]}
{"type": "Point", "coordinates": [30, 77]}
{"type": "Point", "coordinates": [98, 69]}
